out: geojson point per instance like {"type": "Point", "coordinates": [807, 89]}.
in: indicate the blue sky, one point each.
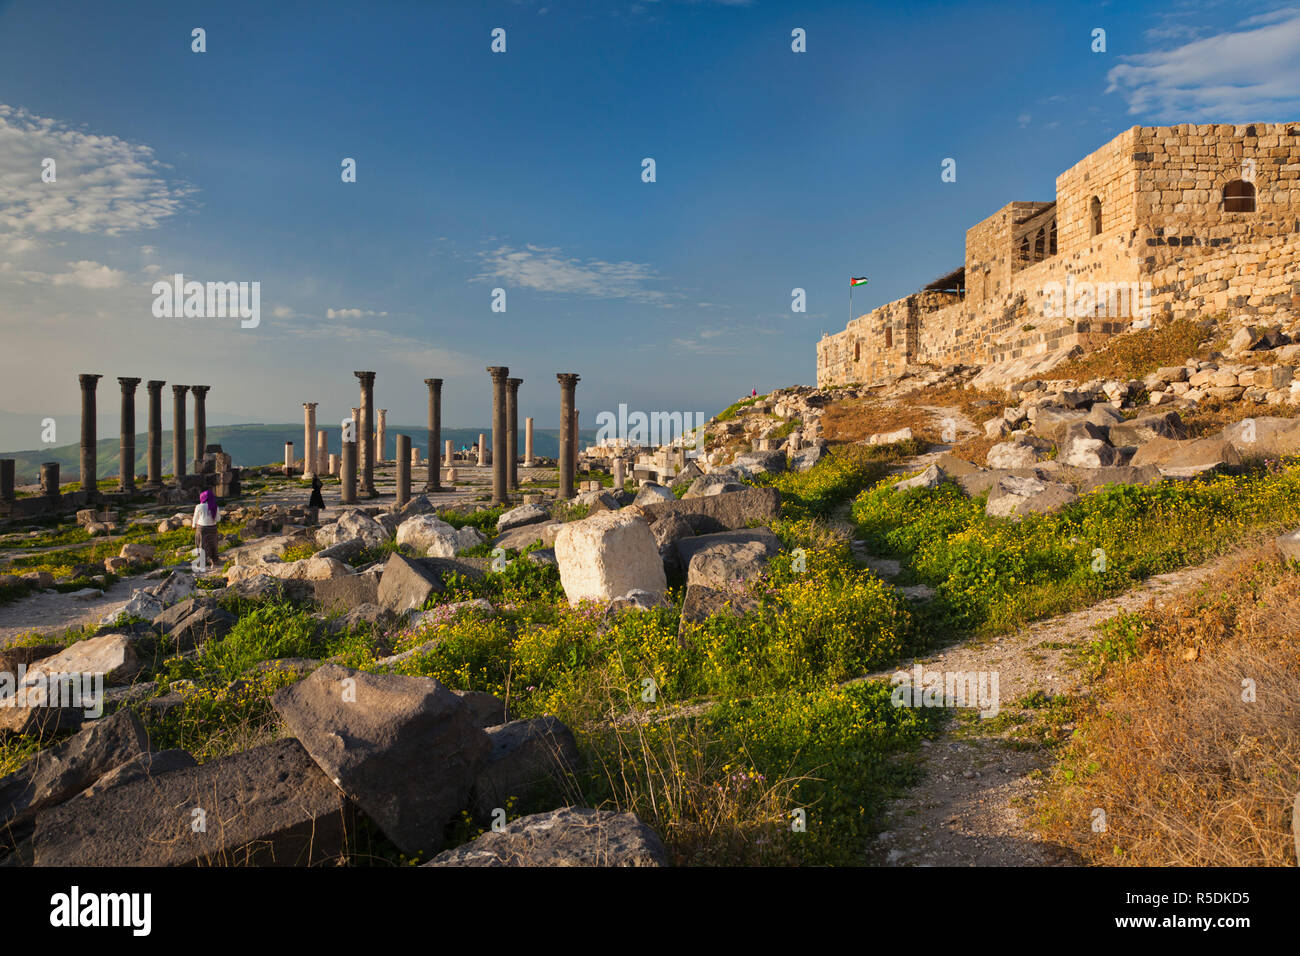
{"type": "Point", "coordinates": [522, 170]}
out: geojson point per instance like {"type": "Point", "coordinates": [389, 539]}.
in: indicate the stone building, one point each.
{"type": "Point", "coordinates": [1172, 221]}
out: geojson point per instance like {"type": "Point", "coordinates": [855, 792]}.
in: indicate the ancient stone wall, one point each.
{"type": "Point", "coordinates": [1142, 231]}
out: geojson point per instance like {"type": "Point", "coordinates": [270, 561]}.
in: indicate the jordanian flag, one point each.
{"type": "Point", "coordinates": [862, 280]}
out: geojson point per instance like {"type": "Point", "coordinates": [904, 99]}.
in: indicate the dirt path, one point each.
{"type": "Point", "coordinates": [979, 777]}
{"type": "Point", "coordinates": [53, 612]}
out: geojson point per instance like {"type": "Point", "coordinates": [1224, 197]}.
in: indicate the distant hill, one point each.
{"type": "Point", "coordinates": [252, 445]}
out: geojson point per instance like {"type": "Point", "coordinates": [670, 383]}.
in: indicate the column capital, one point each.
{"type": "Point", "coordinates": [155, 385]}
{"type": "Point", "coordinates": [567, 379]}
{"type": "Point", "coordinates": [179, 390]}
{"type": "Point", "coordinates": [310, 406]}
{"type": "Point", "coordinates": [434, 383]}
{"type": "Point", "coordinates": [367, 378]}
{"type": "Point", "coordinates": [128, 385]}
{"type": "Point", "coordinates": [498, 373]}
{"type": "Point", "coordinates": [514, 383]}
{"type": "Point", "coordinates": [200, 391]}
{"type": "Point", "coordinates": [89, 381]}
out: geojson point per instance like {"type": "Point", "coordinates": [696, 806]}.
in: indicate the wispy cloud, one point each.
{"type": "Point", "coordinates": [1249, 73]}
{"type": "Point", "coordinates": [547, 270]}
{"type": "Point", "coordinates": [85, 274]}
{"type": "Point", "coordinates": [103, 186]}
{"type": "Point", "coordinates": [352, 313]}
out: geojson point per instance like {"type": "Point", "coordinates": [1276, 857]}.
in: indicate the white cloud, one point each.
{"type": "Point", "coordinates": [104, 186]}
{"type": "Point", "coordinates": [351, 314]}
{"type": "Point", "coordinates": [547, 270]}
{"type": "Point", "coordinates": [84, 274]}
{"type": "Point", "coordinates": [1251, 73]}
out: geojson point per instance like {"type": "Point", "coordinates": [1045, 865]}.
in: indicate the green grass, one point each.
{"type": "Point", "coordinates": [994, 574]}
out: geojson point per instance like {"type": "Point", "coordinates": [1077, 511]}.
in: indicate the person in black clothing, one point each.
{"type": "Point", "coordinates": [316, 500]}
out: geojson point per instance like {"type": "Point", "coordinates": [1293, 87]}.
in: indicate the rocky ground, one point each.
{"type": "Point", "coordinates": [408, 755]}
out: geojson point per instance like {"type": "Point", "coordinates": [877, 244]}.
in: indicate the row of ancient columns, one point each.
{"type": "Point", "coordinates": [126, 447]}
{"type": "Point", "coordinates": [359, 455]}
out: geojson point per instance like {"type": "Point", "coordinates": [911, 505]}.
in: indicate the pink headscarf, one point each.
{"type": "Point", "coordinates": [206, 499]}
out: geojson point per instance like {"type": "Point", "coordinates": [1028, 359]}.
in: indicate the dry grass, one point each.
{"type": "Point", "coordinates": [1135, 354]}
{"type": "Point", "coordinates": [974, 449]}
{"type": "Point", "coordinates": [858, 418]}
{"type": "Point", "coordinates": [1210, 416]}
{"type": "Point", "coordinates": [1187, 772]}
{"type": "Point", "coordinates": [965, 400]}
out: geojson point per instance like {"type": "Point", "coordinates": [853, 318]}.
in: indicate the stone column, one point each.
{"type": "Point", "coordinates": [619, 476]}
{"type": "Point", "coordinates": [6, 479]}
{"type": "Point", "coordinates": [309, 438]}
{"type": "Point", "coordinates": [50, 479]}
{"type": "Point", "coordinates": [288, 458]}
{"type": "Point", "coordinates": [568, 442]}
{"type": "Point", "coordinates": [126, 441]}
{"type": "Point", "coordinates": [334, 464]}
{"type": "Point", "coordinates": [528, 443]}
{"type": "Point", "coordinates": [89, 442]}
{"type": "Point", "coordinates": [482, 449]}
{"type": "Point", "coordinates": [403, 458]}
{"type": "Point", "coordinates": [450, 459]}
{"type": "Point", "coordinates": [320, 461]}
{"type": "Point", "coordinates": [433, 481]}
{"type": "Point", "coordinates": [153, 482]}
{"type": "Point", "coordinates": [367, 436]}
{"type": "Point", "coordinates": [348, 469]}
{"type": "Point", "coordinates": [381, 436]}
{"type": "Point", "coordinates": [415, 457]}
{"type": "Point", "coordinates": [200, 424]}
{"type": "Point", "coordinates": [178, 432]}
{"type": "Point", "coordinates": [575, 441]}
{"type": "Point", "coordinates": [500, 450]}
{"type": "Point", "coordinates": [512, 431]}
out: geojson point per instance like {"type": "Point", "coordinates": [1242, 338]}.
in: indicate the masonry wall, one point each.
{"type": "Point", "coordinates": [1163, 224]}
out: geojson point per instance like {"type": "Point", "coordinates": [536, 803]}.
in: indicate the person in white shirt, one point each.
{"type": "Point", "coordinates": [205, 527]}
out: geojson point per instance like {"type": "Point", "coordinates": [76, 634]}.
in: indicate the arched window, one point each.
{"type": "Point", "coordinates": [1239, 196]}
{"type": "Point", "coordinates": [889, 338]}
{"type": "Point", "coordinates": [1024, 249]}
{"type": "Point", "coordinates": [1051, 240]}
{"type": "Point", "coordinates": [1040, 246]}
{"type": "Point", "coordinates": [1094, 209]}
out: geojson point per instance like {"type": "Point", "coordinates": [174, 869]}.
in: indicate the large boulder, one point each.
{"type": "Point", "coordinates": [430, 535]}
{"type": "Point", "coordinates": [569, 836]}
{"type": "Point", "coordinates": [1139, 431]}
{"type": "Point", "coordinates": [348, 590]}
{"type": "Point", "coordinates": [529, 758]}
{"type": "Point", "coordinates": [114, 656]}
{"type": "Point", "coordinates": [270, 805]}
{"type": "Point", "coordinates": [651, 492]}
{"type": "Point", "coordinates": [1012, 454]}
{"type": "Point", "coordinates": [754, 463]}
{"type": "Point", "coordinates": [931, 477]}
{"type": "Point", "coordinates": [518, 538]}
{"type": "Point", "coordinates": [1011, 496]}
{"type": "Point", "coordinates": [1264, 437]}
{"type": "Point", "coordinates": [1049, 420]}
{"type": "Point", "coordinates": [406, 585]}
{"type": "Point", "coordinates": [1184, 459]}
{"type": "Point", "coordinates": [352, 524]}
{"type": "Point", "coordinates": [523, 515]}
{"type": "Point", "coordinates": [404, 749]}
{"type": "Point", "coordinates": [64, 770]}
{"type": "Point", "coordinates": [607, 555]}
{"type": "Point", "coordinates": [728, 512]}
{"type": "Point", "coordinates": [805, 458]}
{"type": "Point", "coordinates": [667, 532]}
{"type": "Point", "coordinates": [702, 602]}
{"type": "Point", "coordinates": [727, 559]}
